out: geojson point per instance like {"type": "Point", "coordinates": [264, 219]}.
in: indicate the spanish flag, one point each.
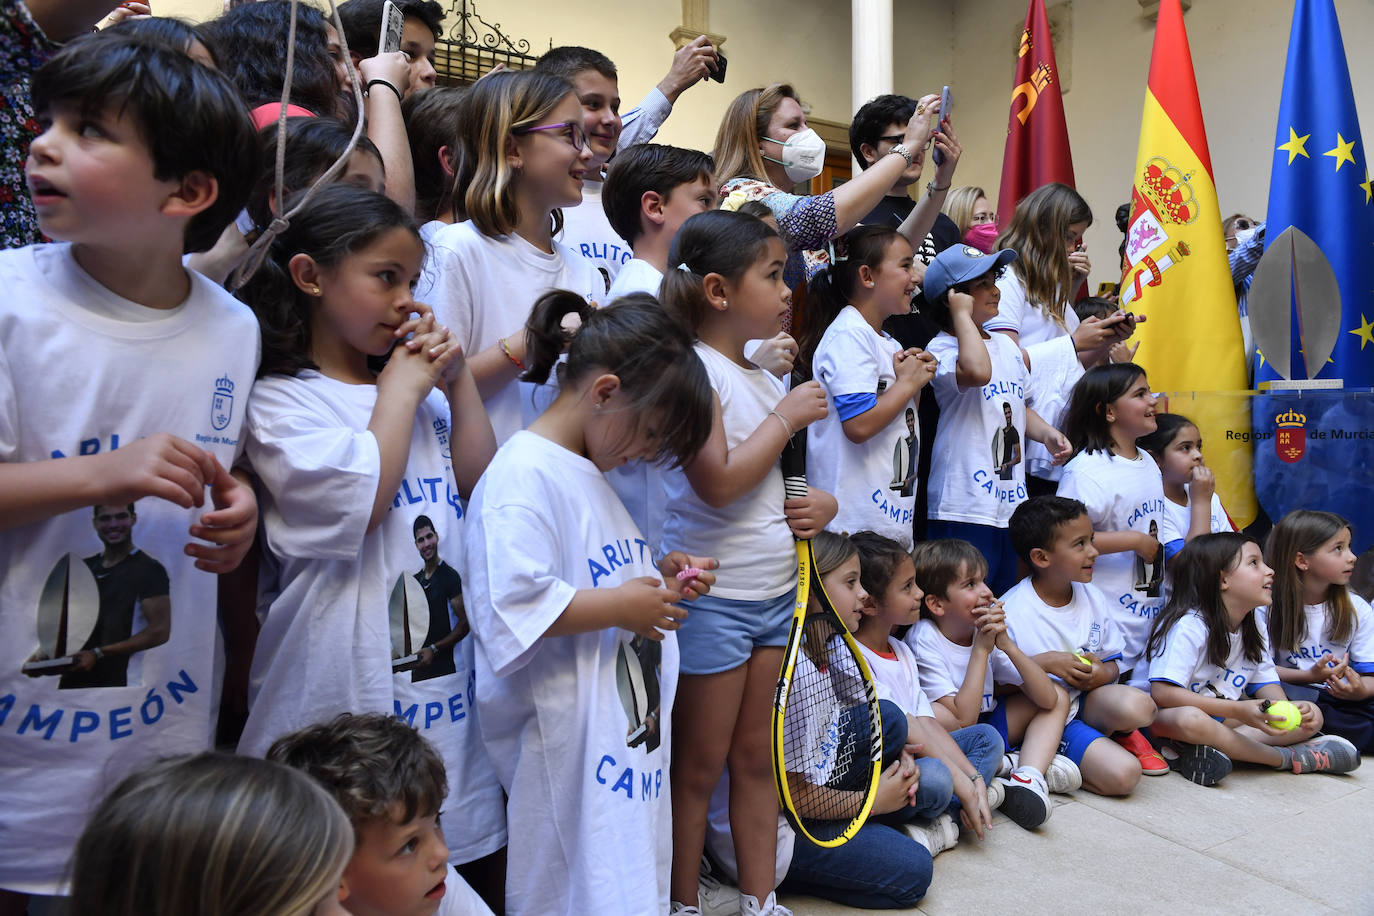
{"type": "Point", "coordinates": [1179, 279]}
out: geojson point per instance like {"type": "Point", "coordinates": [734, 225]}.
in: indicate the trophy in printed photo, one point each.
{"type": "Point", "coordinates": [409, 611]}
{"type": "Point", "coordinates": [67, 610]}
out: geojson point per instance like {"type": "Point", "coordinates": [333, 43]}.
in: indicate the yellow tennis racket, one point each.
{"type": "Point", "coordinates": [827, 731]}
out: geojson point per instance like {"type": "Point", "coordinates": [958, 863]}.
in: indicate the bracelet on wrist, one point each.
{"type": "Point", "coordinates": [386, 83]}
{"type": "Point", "coordinates": [786, 423]}
{"type": "Point", "coordinates": [933, 188]}
{"type": "Point", "coordinates": [901, 149]}
{"type": "Point", "coordinates": [976, 777]}
{"type": "Point", "coordinates": [505, 348]}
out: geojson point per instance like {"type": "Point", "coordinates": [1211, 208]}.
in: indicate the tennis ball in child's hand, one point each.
{"type": "Point", "coordinates": [1084, 659]}
{"type": "Point", "coordinates": [1292, 716]}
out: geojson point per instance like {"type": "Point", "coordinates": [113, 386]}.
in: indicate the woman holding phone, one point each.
{"type": "Point", "coordinates": [1036, 311]}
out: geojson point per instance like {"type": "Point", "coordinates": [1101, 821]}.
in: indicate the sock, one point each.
{"type": "Point", "coordinates": [1287, 753]}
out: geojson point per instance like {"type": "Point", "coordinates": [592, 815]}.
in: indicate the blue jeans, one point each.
{"type": "Point", "coordinates": [880, 868]}
{"type": "Point", "coordinates": [935, 792]}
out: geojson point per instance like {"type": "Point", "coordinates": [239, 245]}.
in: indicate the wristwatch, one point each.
{"type": "Point", "coordinates": [902, 150]}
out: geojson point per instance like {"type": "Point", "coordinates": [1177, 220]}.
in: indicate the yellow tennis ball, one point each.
{"type": "Point", "coordinates": [1292, 716]}
{"type": "Point", "coordinates": [1084, 659]}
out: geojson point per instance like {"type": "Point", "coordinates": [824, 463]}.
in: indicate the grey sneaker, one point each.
{"type": "Point", "coordinates": [1027, 800]}
{"type": "Point", "coordinates": [1325, 754]}
{"type": "Point", "coordinates": [1197, 763]}
{"type": "Point", "coordinates": [937, 836]}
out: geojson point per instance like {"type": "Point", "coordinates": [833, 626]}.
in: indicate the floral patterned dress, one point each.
{"type": "Point", "coordinates": [23, 49]}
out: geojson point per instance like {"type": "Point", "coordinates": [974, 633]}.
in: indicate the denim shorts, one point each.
{"type": "Point", "coordinates": [720, 634]}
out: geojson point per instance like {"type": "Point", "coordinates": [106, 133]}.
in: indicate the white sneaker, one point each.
{"type": "Point", "coordinates": [749, 905]}
{"type": "Point", "coordinates": [682, 909]}
{"type": "Point", "coordinates": [997, 792]}
{"type": "Point", "coordinates": [714, 898]}
{"type": "Point", "coordinates": [1009, 761]}
{"type": "Point", "coordinates": [1062, 778]}
{"type": "Point", "coordinates": [1027, 801]}
{"type": "Point", "coordinates": [937, 836]}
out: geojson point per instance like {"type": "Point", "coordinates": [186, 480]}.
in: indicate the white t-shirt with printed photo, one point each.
{"type": "Point", "coordinates": [750, 536]}
{"type": "Point", "coordinates": [1123, 494]}
{"type": "Point", "coordinates": [1182, 660]}
{"type": "Point", "coordinates": [1053, 373]}
{"type": "Point", "coordinates": [84, 371]}
{"type": "Point", "coordinates": [968, 482]}
{"type": "Point", "coordinates": [328, 639]}
{"type": "Point", "coordinates": [853, 359]}
{"type": "Point", "coordinates": [1318, 642]}
{"type": "Point", "coordinates": [578, 726]}
{"type": "Point", "coordinates": [1086, 624]}
{"type": "Point", "coordinates": [944, 665]}
{"type": "Point", "coordinates": [483, 288]}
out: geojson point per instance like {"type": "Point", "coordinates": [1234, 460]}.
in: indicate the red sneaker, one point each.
{"type": "Point", "coordinates": [1152, 762]}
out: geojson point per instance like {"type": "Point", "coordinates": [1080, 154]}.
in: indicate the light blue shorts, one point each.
{"type": "Point", "coordinates": [720, 634]}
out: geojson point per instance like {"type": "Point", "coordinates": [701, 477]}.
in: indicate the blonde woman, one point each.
{"type": "Point", "coordinates": [975, 216]}
{"type": "Point", "coordinates": [213, 835]}
{"type": "Point", "coordinates": [764, 149]}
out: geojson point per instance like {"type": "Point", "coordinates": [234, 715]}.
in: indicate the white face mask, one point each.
{"type": "Point", "coordinates": [803, 155]}
{"type": "Point", "coordinates": [1244, 235]}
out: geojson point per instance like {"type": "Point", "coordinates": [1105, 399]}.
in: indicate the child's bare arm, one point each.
{"type": "Point", "coordinates": [1038, 430]}
{"type": "Point", "coordinates": [968, 702]}
{"type": "Point", "coordinates": [914, 368]}
{"type": "Point", "coordinates": [809, 515]}
{"type": "Point", "coordinates": [973, 368]}
{"type": "Point", "coordinates": [1035, 683]}
{"type": "Point", "coordinates": [1140, 543]}
{"type": "Point", "coordinates": [471, 440]}
{"type": "Point", "coordinates": [641, 605]}
{"type": "Point", "coordinates": [160, 465]}
{"type": "Point", "coordinates": [720, 475]}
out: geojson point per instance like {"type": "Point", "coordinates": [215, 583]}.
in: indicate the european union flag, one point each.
{"type": "Point", "coordinates": [1317, 447]}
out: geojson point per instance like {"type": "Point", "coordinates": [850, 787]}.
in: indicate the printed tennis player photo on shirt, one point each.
{"type": "Point", "coordinates": [448, 619]}
{"type": "Point", "coordinates": [1006, 446]}
{"type": "Point", "coordinates": [638, 664]}
{"type": "Point", "coordinates": [1149, 575]}
{"type": "Point", "coordinates": [904, 457]}
{"type": "Point", "coordinates": [96, 613]}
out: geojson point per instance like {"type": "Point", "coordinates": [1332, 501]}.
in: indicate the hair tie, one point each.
{"type": "Point", "coordinates": [683, 266]}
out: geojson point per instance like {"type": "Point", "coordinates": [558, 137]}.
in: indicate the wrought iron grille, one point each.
{"type": "Point", "coordinates": [472, 46]}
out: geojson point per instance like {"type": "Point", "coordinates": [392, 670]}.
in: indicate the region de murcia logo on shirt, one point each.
{"type": "Point", "coordinates": [222, 403]}
{"type": "Point", "coordinates": [1290, 441]}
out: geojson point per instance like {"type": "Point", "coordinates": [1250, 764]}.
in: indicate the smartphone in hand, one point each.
{"type": "Point", "coordinates": [393, 22]}
{"type": "Point", "coordinates": [718, 74]}
{"type": "Point", "coordinates": [945, 103]}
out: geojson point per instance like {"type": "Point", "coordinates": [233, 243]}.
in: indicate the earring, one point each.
{"type": "Point", "coordinates": [314, 290]}
{"type": "Point", "coordinates": [724, 305]}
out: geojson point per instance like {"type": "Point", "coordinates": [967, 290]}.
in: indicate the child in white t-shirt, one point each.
{"type": "Point", "coordinates": [347, 460]}
{"type": "Point", "coordinates": [390, 783]}
{"type": "Point", "coordinates": [1191, 504]}
{"type": "Point", "coordinates": [1119, 483]}
{"type": "Point", "coordinates": [650, 191]}
{"type": "Point", "coordinates": [956, 767]}
{"type": "Point", "coordinates": [123, 378]}
{"type": "Point", "coordinates": [983, 386]}
{"type": "Point", "coordinates": [586, 229]}
{"type": "Point", "coordinates": [1063, 622]}
{"type": "Point", "coordinates": [577, 663]}
{"type": "Point", "coordinates": [870, 382]}
{"type": "Point", "coordinates": [1321, 632]}
{"type": "Point", "coordinates": [1207, 655]}
{"type": "Point", "coordinates": [486, 271]}
{"type": "Point", "coordinates": [725, 502]}
{"type": "Point", "coordinates": [967, 658]}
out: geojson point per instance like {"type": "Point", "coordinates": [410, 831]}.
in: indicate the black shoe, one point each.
{"type": "Point", "coordinates": [1198, 763]}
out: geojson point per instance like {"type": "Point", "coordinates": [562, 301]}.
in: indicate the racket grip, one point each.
{"type": "Point", "coordinates": [793, 462]}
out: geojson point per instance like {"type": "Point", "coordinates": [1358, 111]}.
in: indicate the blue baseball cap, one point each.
{"type": "Point", "coordinates": [960, 264]}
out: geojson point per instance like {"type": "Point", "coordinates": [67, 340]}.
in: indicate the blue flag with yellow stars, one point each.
{"type": "Point", "coordinates": [1314, 447]}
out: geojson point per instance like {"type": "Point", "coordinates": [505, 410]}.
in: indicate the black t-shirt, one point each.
{"type": "Point", "coordinates": [122, 586]}
{"type": "Point", "coordinates": [440, 588]}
